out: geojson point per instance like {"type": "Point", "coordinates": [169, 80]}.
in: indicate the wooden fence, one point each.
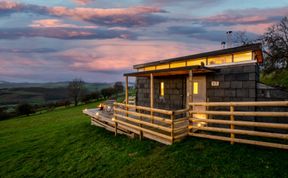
{"type": "Point", "coordinates": [161, 125]}
{"type": "Point", "coordinates": [238, 130]}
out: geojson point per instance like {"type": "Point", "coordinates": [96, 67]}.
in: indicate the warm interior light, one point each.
{"type": "Point", "coordinates": [150, 68]}
{"type": "Point", "coordinates": [178, 64]}
{"type": "Point", "coordinates": [113, 118]}
{"type": "Point", "coordinates": [163, 66]}
{"type": "Point", "coordinates": [194, 62]}
{"type": "Point", "coordinates": [220, 59]}
{"type": "Point", "coordinates": [244, 56]}
{"type": "Point", "coordinates": [162, 89]}
{"type": "Point", "coordinates": [97, 113]}
{"type": "Point", "coordinates": [195, 88]}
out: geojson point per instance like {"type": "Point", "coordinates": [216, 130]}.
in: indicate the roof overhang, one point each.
{"type": "Point", "coordinates": [252, 47]}
{"type": "Point", "coordinates": [174, 71]}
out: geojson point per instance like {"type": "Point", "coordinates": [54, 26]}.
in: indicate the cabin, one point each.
{"type": "Point", "coordinates": [196, 95]}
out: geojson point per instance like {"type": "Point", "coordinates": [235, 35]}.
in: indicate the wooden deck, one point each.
{"type": "Point", "coordinates": [130, 125]}
{"type": "Point", "coordinates": [168, 126]}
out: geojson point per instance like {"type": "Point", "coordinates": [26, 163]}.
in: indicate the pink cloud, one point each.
{"type": "Point", "coordinates": [121, 55]}
{"type": "Point", "coordinates": [56, 23]}
{"type": "Point", "coordinates": [81, 2]}
{"type": "Point", "coordinates": [251, 16]}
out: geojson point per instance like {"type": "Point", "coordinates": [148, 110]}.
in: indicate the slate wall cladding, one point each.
{"type": "Point", "coordinates": [236, 83]}
{"type": "Point", "coordinates": [175, 92]}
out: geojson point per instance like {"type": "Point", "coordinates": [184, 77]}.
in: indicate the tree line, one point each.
{"type": "Point", "coordinates": [77, 93]}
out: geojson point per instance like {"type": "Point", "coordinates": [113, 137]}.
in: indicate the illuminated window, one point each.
{"type": "Point", "coordinates": [244, 56]}
{"type": "Point", "coordinates": [220, 59]}
{"type": "Point", "coordinates": [178, 64]}
{"type": "Point", "coordinates": [141, 69]}
{"type": "Point", "coordinates": [194, 62]}
{"type": "Point", "coordinates": [161, 88]}
{"type": "Point", "coordinates": [163, 66]}
{"type": "Point", "coordinates": [195, 88]}
{"type": "Point", "coordinates": [150, 68]}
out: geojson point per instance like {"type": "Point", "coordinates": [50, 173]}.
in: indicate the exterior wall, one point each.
{"type": "Point", "coordinates": [236, 83]}
{"type": "Point", "coordinates": [174, 95]}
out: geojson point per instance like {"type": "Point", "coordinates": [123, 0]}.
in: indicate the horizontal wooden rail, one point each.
{"type": "Point", "coordinates": [238, 140]}
{"type": "Point", "coordinates": [242, 113]}
{"type": "Point", "coordinates": [162, 111]}
{"type": "Point", "coordinates": [144, 123]}
{"type": "Point", "coordinates": [181, 111]}
{"type": "Point", "coordinates": [182, 128]}
{"type": "Point", "coordinates": [243, 123]}
{"type": "Point", "coordinates": [144, 130]}
{"type": "Point", "coordinates": [180, 120]}
{"type": "Point", "coordinates": [252, 103]}
{"type": "Point", "coordinates": [167, 121]}
{"type": "Point", "coordinates": [242, 132]}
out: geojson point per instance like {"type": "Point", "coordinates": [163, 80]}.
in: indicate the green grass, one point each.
{"type": "Point", "coordinates": [62, 143]}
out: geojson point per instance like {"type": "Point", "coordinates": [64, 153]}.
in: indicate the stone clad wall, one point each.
{"type": "Point", "coordinates": [174, 97]}
{"type": "Point", "coordinates": [236, 83]}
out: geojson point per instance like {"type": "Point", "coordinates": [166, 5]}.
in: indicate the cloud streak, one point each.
{"type": "Point", "coordinates": [127, 17]}
{"type": "Point", "coordinates": [251, 16]}
{"type": "Point", "coordinates": [65, 33]}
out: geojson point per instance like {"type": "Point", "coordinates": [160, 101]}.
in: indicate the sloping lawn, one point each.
{"type": "Point", "coordinates": [62, 143]}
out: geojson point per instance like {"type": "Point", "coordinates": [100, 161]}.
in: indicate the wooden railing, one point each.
{"type": "Point", "coordinates": [161, 125]}
{"type": "Point", "coordinates": [252, 128]}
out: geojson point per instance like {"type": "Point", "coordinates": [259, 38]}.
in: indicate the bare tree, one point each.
{"type": "Point", "coordinates": [76, 89]}
{"type": "Point", "coordinates": [275, 41]}
{"type": "Point", "coordinates": [241, 38]}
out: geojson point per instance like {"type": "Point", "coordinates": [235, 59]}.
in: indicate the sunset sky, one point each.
{"type": "Point", "coordinates": [99, 40]}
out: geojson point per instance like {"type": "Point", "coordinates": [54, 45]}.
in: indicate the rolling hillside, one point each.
{"type": "Point", "coordinates": [39, 93]}
{"type": "Point", "coordinates": [62, 143]}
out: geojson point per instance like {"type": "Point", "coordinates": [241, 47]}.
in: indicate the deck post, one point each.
{"type": "Point", "coordinates": [140, 132]}
{"type": "Point", "coordinates": [116, 125]}
{"type": "Point", "coordinates": [172, 127]}
{"type": "Point", "coordinates": [126, 94]}
{"type": "Point", "coordinates": [232, 135]}
{"type": "Point", "coordinates": [126, 90]}
{"type": "Point", "coordinates": [151, 96]}
{"type": "Point", "coordinates": [190, 92]}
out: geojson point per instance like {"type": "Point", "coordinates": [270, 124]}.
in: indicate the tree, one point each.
{"type": "Point", "coordinates": [24, 109]}
{"type": "Point", "coordinates": [275, 42]}
{"type": "Point", "coordinates": [76, 89]}
{"type": "Point", "coordinates": [107, 92]}
{"type": "Point", "coordinates": [241, 38]}
{"type": "Point", "coordinates": [118, 88]}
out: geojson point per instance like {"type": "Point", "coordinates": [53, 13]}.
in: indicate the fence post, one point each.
{"type": "Point", "coordinates": [140, 125]}
{"type": "Point", "coordinates": [232, 135]}
{"type": "Point", "coordinates": [172, 126]}
{"type": "Point", "coordinates": [116, 125]}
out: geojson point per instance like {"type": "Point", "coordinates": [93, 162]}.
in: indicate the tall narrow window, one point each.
{"type": "Point", "coordinates": [195, 88]}
{"type": "Point", "coordinates": [162, 89]}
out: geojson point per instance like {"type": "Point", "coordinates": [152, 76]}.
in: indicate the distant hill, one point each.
{"type": "Point", "coordinates": [12, 94]}
{"type": "Point", "coordinates": [89, 86]}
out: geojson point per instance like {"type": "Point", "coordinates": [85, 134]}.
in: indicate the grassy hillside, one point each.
{"type": "Point", "coordinates": [277, 78]}
{"type": "Point", "coordinates": [62, 143]}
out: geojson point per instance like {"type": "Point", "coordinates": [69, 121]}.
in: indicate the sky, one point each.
{"type": "Point", "coordinates": [99, 40]}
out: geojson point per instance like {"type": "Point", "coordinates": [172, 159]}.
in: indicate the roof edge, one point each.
{"type": "Point", "coordinates": [255, 46]}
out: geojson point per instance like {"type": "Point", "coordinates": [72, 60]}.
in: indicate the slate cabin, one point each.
{"type": "Point", "coordinates": [200, 94]}
{"type": "Point", "coordinates": [218, 76]}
